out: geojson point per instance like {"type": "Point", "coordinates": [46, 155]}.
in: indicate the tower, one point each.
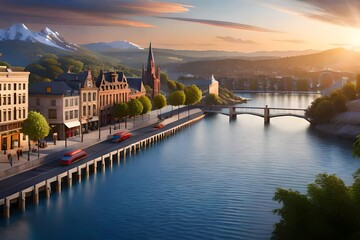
{"type": "Point", "coordinates": [150, 76]}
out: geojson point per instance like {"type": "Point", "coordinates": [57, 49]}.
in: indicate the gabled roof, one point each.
{"type": "Point", "coordinates": [107, 76]}
{"type": "Point", "coordinates": [135, 83]}
{"type": "Point", "coordinates": [56, 88]}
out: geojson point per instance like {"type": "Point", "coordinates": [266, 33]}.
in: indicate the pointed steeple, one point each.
{"type": "Point", "coordinates": [151, 61]}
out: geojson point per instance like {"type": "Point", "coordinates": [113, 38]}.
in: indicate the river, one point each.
{"type": "Point", "coordinates": [213, 180]}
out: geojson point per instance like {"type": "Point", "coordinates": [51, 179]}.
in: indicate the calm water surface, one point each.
{"type": "Point", "coordinates": [213, 180]}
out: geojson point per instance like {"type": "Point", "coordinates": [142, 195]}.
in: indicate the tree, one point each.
{"type": "Point", "coordinates": [2, 63]}
{"type": "Point", "coordinates": [348, 90]}
{"type": "Point", "coordinates": [329, 210]}
{"type": "Point", "coordinates": [135, 108]}
{"type": "Point", "coordinates": [193, 95]}
{"type": "Point", "coordinates": [212, 99]}
{"type": "Point", "coordinates": [147, 106]}
{"type": "Point", "coordinates": [171, 84]}
{"type": "Point", "coordinates": [177, 98]}
{"type": "Point", "coordinates": [159, 101]}
{"type": "Point", "coordinates": [121, 111]}
{"type": "Point", "coordinates": [325, 110]}
{"type": "Point", "coordinates": [70, 64]}
{"type": "Point", "coordinates": [36, 127]}
{"type": "Point", "coordinates": [357, 86]}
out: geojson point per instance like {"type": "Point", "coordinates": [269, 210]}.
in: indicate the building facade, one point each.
{"type": "Point", "coordinates": [113, 88]}
{"type": "Point", "coordinates": [13, 106]}
{"type": "Point", "coordinates": [88, 109]}
{"type": "Point", "coordinates": [59, 104]}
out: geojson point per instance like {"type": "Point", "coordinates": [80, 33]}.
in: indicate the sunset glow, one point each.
{"type": "Point", "coordinates": [231, 25]}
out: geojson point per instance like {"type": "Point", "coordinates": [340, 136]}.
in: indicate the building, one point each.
{"type": "Point", "coordinates": [137, 88]}
{"type": "Point", "coordinates": [150, 76]}
{"type": "Point", "coordinates": [59, 104]}
{"type": "Point", "coordinates": [13, 106]}
{"type": "Point", "coordinates": [209, 86]}
{"type": "Point", "coordinates": [113, 88]}
{"type": "Point", "coordinates": [85, 84]}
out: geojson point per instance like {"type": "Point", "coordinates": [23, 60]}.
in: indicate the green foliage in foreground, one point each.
{"type": "Point", "coordinates": [147, 106]}
{"type": "Point", "coordinates": [329, 210]}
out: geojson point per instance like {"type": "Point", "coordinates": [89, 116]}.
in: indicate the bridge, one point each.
{"type": "Point", "coordinates": [266, 112]}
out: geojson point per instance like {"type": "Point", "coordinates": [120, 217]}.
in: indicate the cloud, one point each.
{"type": "Point", "coordinates": [224, 24]}
{"type": "Point", "coordinates": [235, 40]}
{"type": "Point", "coordinates": [339, 12]}
{"type": "Point", "coordinates": [296, 41]}
{"type": "Point", "coordinates": [86, 13]}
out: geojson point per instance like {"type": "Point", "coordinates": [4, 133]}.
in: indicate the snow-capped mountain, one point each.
{"type": "Point", "coordinates": [119, 45]}
{"type": "Point", "coordinates": [46, 36]}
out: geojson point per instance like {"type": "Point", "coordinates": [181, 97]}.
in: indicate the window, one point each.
{"type": "Point", "coordinates": [71, 114]}
{"type": "Point", "coordinates": [84, 97]}
{"type": "Point", "coordinates": [4, 86]}
{"type": "Point", "coordinates": [15, 113]}
{"type": "Point", "coordinates": [24, 115]}
{"type": "Point", "coordinates": [53, 102]}
{"type": "Point", "coordinates": [52, 114]}
{"type": "Point", "coordinates": [4, 115]}
{"type": "Point", "coordinates": [76, 113]}
{"type": "Point", "coordinates": [0, 86]}
{"type": "Point", "coordinates": [4, 100]}
{"type": "Point", "coordinates": [19, 86]}
{"type": "Point", "coordinates": [23, 99]}
{"type": "Point", "coordinates": [89, 110]}
{"type": "Point", "coordinates": [94, 96]}
{"type": "Point", "coordinates": [19, 113]}
{"type": "Point", "coordinates": [76, 101]}
{"type": "Point", "coordinates": [9, 115]}
{"type": "Point", "coordinates": [107, 100]}
{"type": "Point", "coordinates": [9, 99]}
{"type": "Point", "coordinates": [48, 89]}
{"type": "Point", "coordinates": [84, 111]}
{"type": "Point", "coordinates": [38, 102]}
{"type": "Point", "coordinates": [66, 102]}
{"type": "Point", "coordinates": [71, 102]}
{"type": "Point", "coordinates": [89, 97]}
{"type": "Point", "coordinates": [19, 99]}
{"type": "Point", "coordinates": [24, 86]}
{"type": "Point", "coordinates": [66, 115]}
{"type": "Point", "coordinates": [9, 86]}
{"type": "Point", "coordinates": [94, 110]}
{"type": "Point", "coordinates": [0, 115]}
{"type": "Point", "coordinates": [15, 86]}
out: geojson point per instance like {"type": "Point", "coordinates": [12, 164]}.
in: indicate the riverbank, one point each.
{"type": "Point", "coordinates": [346, 124]}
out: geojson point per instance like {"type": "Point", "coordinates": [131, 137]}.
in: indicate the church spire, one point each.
{"type": "Point", "coordinates": [151, 62]}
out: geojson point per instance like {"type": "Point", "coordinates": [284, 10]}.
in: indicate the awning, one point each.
{"type": "Point", "coordinates": [72, 124]}
{"type": "Point", "coordinates": [94, 119]}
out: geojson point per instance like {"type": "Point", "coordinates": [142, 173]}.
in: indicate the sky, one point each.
{"type": "Point", "coordinates": [229, 25]}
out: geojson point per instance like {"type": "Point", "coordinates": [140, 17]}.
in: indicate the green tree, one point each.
{"type": "Point", "coordinates": [2, 63]}
{"type": "Point", "coordinates": [176, 98]}
{"type": "Point", "coordinates": [147, 106]}
{"type": "Point", "coordinates": [193, 95]}
{"type": "Point", "coordinates": [357, 86]}
{"type": "Point", "coordinates": [329, 210]}
{"type": "Point", "coordinates": [159, 101]}
{"type": "Point", "coordinates": [171, 84]}
{"type": "Point", "coordinates": [179, 86]}
{"type": "Point", "coordinates": [121, 111]}
{"type": "Point", "coordinates": [212, 99]}
{"type": "Point", "coordinates": [348, 90]}
{"type": "Point", "coordinates": [36, 127]}
{"type": "Point", "coordinates": [70, 64]}
{"type": "Point", "coordinates": [339, 102]}
{"type": "Point", "coordinates": [135, 108]}
{"type": "Point", "coordinates": [325, 110]}
{"type": "Point", "coordinates": [164, 77]}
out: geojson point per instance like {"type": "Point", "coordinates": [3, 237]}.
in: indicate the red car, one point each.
{"type": "Point", "coordinates": [72, 156]}
{"type": "Point", "coordinates": [159, 125]}
{"type": "Point", "coordinates": [120, 136]}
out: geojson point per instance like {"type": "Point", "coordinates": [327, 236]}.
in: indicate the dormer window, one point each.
{"type": "Point", "coordinates": [48, 89]}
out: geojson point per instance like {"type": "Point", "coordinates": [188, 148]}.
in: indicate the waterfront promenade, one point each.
{"type": "Point", "coordinates": [52, 151]}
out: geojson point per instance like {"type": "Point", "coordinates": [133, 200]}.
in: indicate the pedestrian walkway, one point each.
{"type": "Point", "coordinates": [30, 160]}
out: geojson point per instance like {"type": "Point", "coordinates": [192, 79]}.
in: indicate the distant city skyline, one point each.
{"type": "Point", "coordinates": [229, 25]}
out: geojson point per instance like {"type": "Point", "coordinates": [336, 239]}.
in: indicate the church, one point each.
{"type": "Point", "coordinates": [150, 75]}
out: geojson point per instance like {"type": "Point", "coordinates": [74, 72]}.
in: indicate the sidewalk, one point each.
{"type": "Point", "coordinates": [89, 139]}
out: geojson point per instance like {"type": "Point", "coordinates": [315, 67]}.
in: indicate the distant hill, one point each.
{"type": "Point", "coordinates": [338, 59]}
{"type": "Point", "coordinates": [113, 46]}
